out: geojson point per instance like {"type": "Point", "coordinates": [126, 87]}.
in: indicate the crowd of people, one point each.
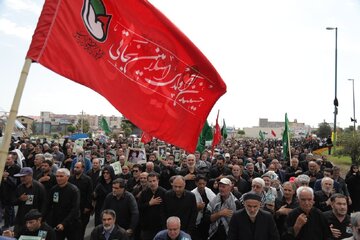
{"type": "Point", "coordinates": [243, 189]}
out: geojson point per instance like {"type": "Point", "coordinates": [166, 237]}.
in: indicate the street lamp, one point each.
{"type": "Point", "coordinates": [353, 119]}
{"type": "Point", "coordinates": [336, 102]}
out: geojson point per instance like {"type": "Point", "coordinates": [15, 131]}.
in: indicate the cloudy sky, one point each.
{"type": "Point", "coordinates": [275, 57]}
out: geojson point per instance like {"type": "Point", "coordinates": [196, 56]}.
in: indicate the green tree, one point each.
{"type": "Point", "coordinates": [324, 130]}
{"type": "Point", "coordinates": [351, 146]}
{"type": "Point", "coordinates": [86, 125]}
{"type": "Point", "coordinates": [349, 129]}
{"type": "Point", "coordinates": [241, 132]}
{"type": "Point", "coordinates": [71, 129]}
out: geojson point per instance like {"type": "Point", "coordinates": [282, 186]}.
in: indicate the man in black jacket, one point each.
{"type": "Point", "coordinates": [64, 207]}
{"type": "Point", "coordinates": [108, 230]}
{"type": "Point", "coordinates": [181, 203]}
{"type": "Point", "coordinates": [125, 206]}
{"type": "Point", "coordinates": [84, 184]}
{"type": "Point", "coordinates": [252, 223]}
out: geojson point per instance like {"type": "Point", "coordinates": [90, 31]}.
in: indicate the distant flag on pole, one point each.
{"type": "Point", "coordinates": [206, 135]}
{"type": "Point", "coordinates": [273, 133]}
{"type": "Point", "coordinates": [261, 135]}
{"type": "Point", "coordinates": [168, 87]}
{"type": "Point", "coordinates": [223, 130]}
{"type": "Point", "coordinates": [104, 126]}
{"type": "Point", "coordinates": [145, 137]}
{"type": "Point", "coordinates": [217, 133]}
{"type": "Point", "coordinates": [286, 139]}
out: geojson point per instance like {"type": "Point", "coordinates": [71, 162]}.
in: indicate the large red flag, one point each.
{"type": "Point", "coordinates": [130, 53]}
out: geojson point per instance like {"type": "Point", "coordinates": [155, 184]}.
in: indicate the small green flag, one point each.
{"type": "Point", "coordinates": [205, 135]}
{"type": "Point", "coordinates": [223, 130]}
{"type": "Point", "coordinates": [285, 138]}
{"type": "Point", "coordinates": [104, 125]}
{"type": "Point", "coordinates": [261, 135]}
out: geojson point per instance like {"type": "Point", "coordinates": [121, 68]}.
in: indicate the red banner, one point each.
{"type": "Point", "coordinates": [217, 134]}
{"type": "Point", "coordinates": [145, 137]}
{"type": "Point", "coordinates": [273, 133]}
{"type": "Point", "coordinates": [130, 53]}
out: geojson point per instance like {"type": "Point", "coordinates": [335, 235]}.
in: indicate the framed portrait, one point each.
{"type": "Point", "coordinates": [88, 154]}
{"type": "Point", "coordinates": [102, 161]}
{"type": "Point", "coordinates": [161, 152]}
{"type": "Point", "coordinates": [177, 154]}
{"type": "Point", "coordinates": [136, 155]}
{"type": "Point", "coordinates": [117, 167]}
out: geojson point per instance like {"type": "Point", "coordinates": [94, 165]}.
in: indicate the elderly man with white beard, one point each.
{"type": "Point", "coordinates": [252, 223]}
{"type": "Point", "coordinates": [322, 197]}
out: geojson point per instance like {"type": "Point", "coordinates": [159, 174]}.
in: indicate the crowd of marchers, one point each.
{"type": "Point", "coordinates": [242, 189]}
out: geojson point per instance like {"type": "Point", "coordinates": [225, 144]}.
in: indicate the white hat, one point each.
{"type": "Point", "coordinates": [227, 154]}
{"type": "Point", "coordinates": [225, 181]}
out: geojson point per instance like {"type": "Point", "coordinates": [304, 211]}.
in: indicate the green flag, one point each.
{"type": "Point", "coordinates": [285, 138]}
{"type": "Point", "coordinates": [223, 130]}
{"type": "Point", "coordinates": [205, 135]}
{"type": "Point", "coordinates": [261, 135]}
{"type": "Point", "coordinates": [104, 125]}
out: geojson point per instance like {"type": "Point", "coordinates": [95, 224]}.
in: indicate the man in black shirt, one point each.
{"type": "Point", "coordinates": [64, 207]}
{"type": "Point", "coordinates": [252, 223]}
{"type": "Point", "coordinates": [30, 195]}
{"type": "Point", "coordinates": [322, 197]}
{"type": "Point", "coordinates": [7, 190]}
{"type": "Point", "coordinates": [151, 208]}
{"type": "Point", "coordinates": [84, 184]}
{"type": "Point", "coordinates": [125, 206]}
{"type": "Point", "coordinates": [33, 227]}
{"type": "Point", "coordinates": [219, 170]}
{"type": "Point", "coordinates": [94, 172]}
{"type": "Point", "coordinates": [338, 219]}
{"type": "Point", "coordinates": [181, 203]}
{"type": "Point", "coordinates": [47, 178]}
{"type": "Point", "coordinates": [306, 221]}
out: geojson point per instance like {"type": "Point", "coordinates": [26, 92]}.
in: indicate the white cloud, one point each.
{"type": "Point", "coordinates": [11, 28]}
{"type": "Point", "coordinates": [24, 5]}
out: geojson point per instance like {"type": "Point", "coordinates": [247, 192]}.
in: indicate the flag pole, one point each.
{"type": "Point", "coordinates": [289, 147]}
{"type": "Point", "coordinates": [212, 147]}
{"type": "Point", "coordinates": [12, 116]}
